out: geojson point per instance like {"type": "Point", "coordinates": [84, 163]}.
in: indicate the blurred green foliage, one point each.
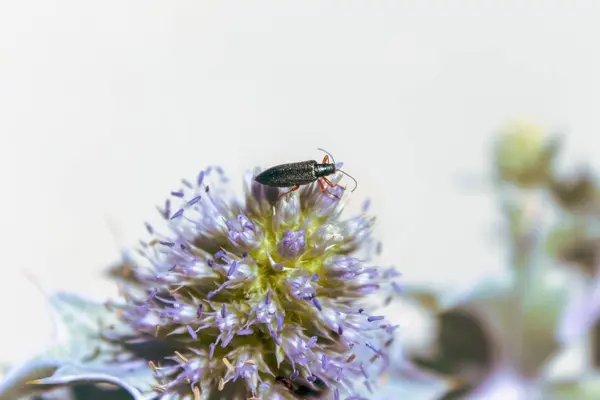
{"type": "Point", "coordinates": [552, 243]}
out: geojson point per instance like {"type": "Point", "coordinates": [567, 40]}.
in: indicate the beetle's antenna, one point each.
{"type": "Point", "coordinates": [328, 153]}
{"type": "Point", "coordinates": [339, 170]}
{"type": "Point", "coordinates": [351, 177]}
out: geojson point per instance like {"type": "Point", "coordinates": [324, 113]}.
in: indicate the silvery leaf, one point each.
{"type": "Point", "coordinates": [70, 376]}
{"type": "Point", "coordinates": [77, 354]}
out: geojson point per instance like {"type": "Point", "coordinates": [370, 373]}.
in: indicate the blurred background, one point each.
{"type": "Point", "coordinates": [105, 106]}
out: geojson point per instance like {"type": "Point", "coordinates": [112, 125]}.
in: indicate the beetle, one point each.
{"type": "Point", "coordinates": [301, 390]}
{"type": "Point", "coordinates": [294, 175]}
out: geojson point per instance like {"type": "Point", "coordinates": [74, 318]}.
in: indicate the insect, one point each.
{"type": "Point", "coordinates": [303, 391]}
{"type": "Point", "coordinates": [294, 175]}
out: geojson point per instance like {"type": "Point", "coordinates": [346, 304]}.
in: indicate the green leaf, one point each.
{"type": "Point", "coordinates": [14, 385]}
{"type": "Point", "coordinates": [585, 389]}
{"type": "Point", "coordinates": [544, 304]}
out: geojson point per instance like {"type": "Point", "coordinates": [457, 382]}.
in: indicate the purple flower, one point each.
{"type": "Point", "coordinates": [292, 244]}
{"type": "Point", "coordinates": [260, 297]}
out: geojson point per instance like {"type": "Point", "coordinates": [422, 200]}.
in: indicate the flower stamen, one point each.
{"type": "Point", "coordinates": [181, 357]}
{"type": "Point", "coordinates": [228, 365]}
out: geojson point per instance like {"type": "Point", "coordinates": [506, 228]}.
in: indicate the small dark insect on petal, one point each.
{"type": "Point", "coordinates": [286, 382]}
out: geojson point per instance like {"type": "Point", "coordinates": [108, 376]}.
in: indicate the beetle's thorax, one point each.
{"type": "Point", "coordinates": [324, 170]}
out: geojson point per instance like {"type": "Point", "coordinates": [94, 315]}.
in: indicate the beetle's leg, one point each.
{"type": "Point", "coordinates": [325, 159]}
{"type": "Point", "coordinates": [293, 189]}
{"type": "Point", "coordinates": [324, 189]}
{"type": "Point", "coordinates": [327, 181]}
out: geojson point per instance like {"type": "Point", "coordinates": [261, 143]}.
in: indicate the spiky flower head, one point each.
{"type": "Point", "coordinates": [260, 298]}
{"type": "Point", "coordinates": [524, 154]}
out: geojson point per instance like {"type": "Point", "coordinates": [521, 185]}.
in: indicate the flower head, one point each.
{"type": "Point", "coordinates": [524, 155]}
{"type": "Point", "coordinates": [259, 298]}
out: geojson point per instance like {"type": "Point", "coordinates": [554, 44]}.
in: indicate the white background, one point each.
{"type": "Point", "coordinates": [105, 105]}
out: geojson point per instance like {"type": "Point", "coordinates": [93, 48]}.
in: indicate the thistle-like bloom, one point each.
{"type": "Point", "coordinates": [264, 298]}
